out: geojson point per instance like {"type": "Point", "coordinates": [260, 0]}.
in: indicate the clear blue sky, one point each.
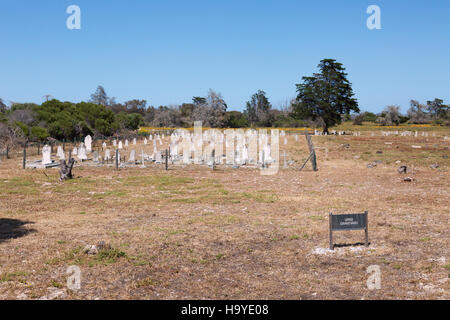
{"type": "Point", "coordinates": [168, 51]}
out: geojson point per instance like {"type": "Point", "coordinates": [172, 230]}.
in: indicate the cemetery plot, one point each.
{"type": "Point", "coordinates": [229, 233]}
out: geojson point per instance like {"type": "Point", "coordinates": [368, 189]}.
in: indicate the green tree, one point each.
{"type": "Point", "coordinates": [438, 110]}
{"type": "Point", "coordinates": [39, 133]}
{"type": "Point", "coordinates": [257, 110]}
{"type": "Point", "coordinates": [235, 119]}
{"type": "Point", "coordinates": [100, 97]}
{"type": "Point", "coordinates": [325, 96]}
{"type": "Point", "coordinates": [3, 106]}
{"type": "Point", "coordinates": [130, 121]}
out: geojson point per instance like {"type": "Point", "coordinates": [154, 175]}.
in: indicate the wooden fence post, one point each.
{"type": "Point", "coordinates": [330, 215]}
{"type": "Point", "coordinates": [24, 155]}
{"type": "Point", "coordinates": [311, 151]}
{"type": "Point", "coordinates": [167, 160]}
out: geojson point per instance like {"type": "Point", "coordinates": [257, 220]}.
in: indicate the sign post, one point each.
{"type": "Point", "coordinates": [342, 222]}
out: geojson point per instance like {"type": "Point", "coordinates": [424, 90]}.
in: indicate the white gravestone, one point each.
{"type": "Point", "coordinates": [82, 153]}
{"type": "Point", "coordinates": [60, 153]}
{"type": "Point", "coordinates": [46, 155]}
{"type": "Point", "coordinates": [107, 155]}
{"type": "Point", "coordinates": [132, 157]}
{"type": "Point", "coordinates": [88, 143]}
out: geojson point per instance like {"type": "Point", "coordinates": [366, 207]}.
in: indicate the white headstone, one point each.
{"type": "Point", "coordinates": [46, 154]}
{"type": "Point", "coordinates": [82, 153]}
{"type": "Point", "coordinates": [88, 143]}
{"type": "Point", "coordinates": [132, 156]}
{"type": "Point", "coordinates": [75, 151]}
{"type": "Point", "coordinates": [120, 145]}
{"type": "Point", "coordinates": [107, 155]}
{"type": "Point", "coordinates": [158, 157]}
{"type": "Point", "coordinates": [60, 153]}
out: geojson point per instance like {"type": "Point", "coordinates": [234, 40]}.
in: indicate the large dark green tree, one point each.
{"type": "Point", "coordinates": [257, 110]}
{"type": "Point", "coordinates": [325, 96]}
{"type": "Point", "coordinates": [438, 110]}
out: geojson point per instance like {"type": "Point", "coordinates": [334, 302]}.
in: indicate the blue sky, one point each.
{"type": "Point", "coordinates": [168, 51]}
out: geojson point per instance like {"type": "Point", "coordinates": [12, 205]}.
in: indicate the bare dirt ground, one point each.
{"type": "Point", "coordinates": [194, 233]}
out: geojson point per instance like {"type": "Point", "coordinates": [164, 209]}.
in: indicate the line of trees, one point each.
{"type": "Point", "coordinates": [324, 99]}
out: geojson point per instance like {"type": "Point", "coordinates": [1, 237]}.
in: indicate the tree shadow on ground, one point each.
{"type": "Point", "coordinates": [13, 228]}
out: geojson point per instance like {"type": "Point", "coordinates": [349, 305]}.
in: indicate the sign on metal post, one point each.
{"type": "Point", "coordinates": [354, 221]}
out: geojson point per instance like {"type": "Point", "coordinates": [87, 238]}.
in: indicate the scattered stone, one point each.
{"type": "Point", "coordinates": [434, 166]}
{"type": "Point", "coordinates": [346, 145]}
{"type": "Point", "coordinates": [397, 162]}
{"type": "Point", "coordinates": [372, 165]}
{"type": "Point", "coordinates": [379, 152]}
{"type": "Point", "coordinates": [103, 246]}
{"type": "Point", "coordinates": [408, 179]}
{"type": "Point", "coordinates": [90, 249]}
{"type": "Point", "coordinates": [416, 147]}
{"type": "Point", "coordinates": [402, 169]}
{"type": "Point", "coordinates": [54, 293]}
{"type": "Point", "coordinates": [22, 296]}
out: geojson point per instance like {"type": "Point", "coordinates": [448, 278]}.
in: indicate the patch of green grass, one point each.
{"type": "Point", "coordinates": [397, 266]}
{"type": "Point", "coordinates": [316, 218]}
{"type": "Point", "coordinates": [260, 197]}
{"type": "Point", "coordinates": [108, 256]}
{"type": "Point", "coordinates": [13, 276]}
{"type": "Point", "coordinates": [138, 261]}
{"type": "Point", "coordinates": [19, 186]}
{"type": "Point", "coordinates": [161, 182]}
{"type": "Point", "coordinates": [56, 284]}
{"type": "Point", "coordinates": [174, 232]}
{"type": "Point", "coordinates": [425, 239]}
{"type": "Point", "coordinates": [113, 194]}
{"type": "Point", "coordinates": [201, 261]}
{"type": "Point", "coordinates": [293, 237]}
{"type": "Point", "coordinates": [147, 282]}
{"type": "Point", "coordinates": [220, 256]}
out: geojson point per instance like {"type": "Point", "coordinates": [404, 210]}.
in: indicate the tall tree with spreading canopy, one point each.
{"type": "Point", "coordinates": [325, 96]}
{"type": "Point", "coordinates": [258, 109]}
{"type": "Point", "coordinates": [100, 97]}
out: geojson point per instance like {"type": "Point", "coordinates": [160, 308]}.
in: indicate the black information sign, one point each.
{"type": "Point", "coordinates": [354, 221]}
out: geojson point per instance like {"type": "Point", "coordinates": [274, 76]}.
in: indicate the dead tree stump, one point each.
{"type": "Point", "coordinates": [65, 171]}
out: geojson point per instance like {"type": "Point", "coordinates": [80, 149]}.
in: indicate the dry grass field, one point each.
{"type": "Point", "coordinates": [194, 233]}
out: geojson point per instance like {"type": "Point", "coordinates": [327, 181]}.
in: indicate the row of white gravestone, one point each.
{"type": "Point", "coordinates": [121, 145]}
{"type": "Point", "coordinates": [240, 155]}
{"type": "Point", "coordinates": [406, 133]}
